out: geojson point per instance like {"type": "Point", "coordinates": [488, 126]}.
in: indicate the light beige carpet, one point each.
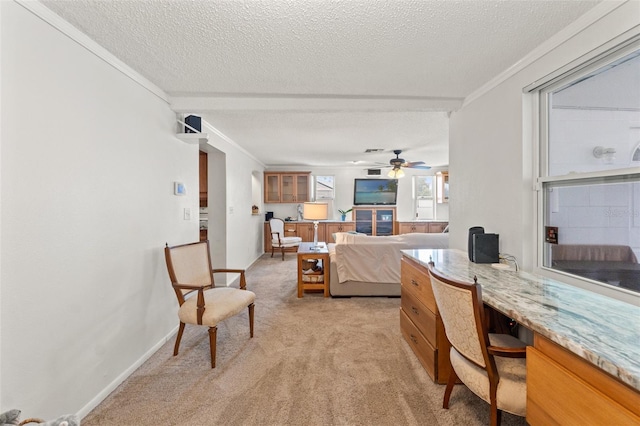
{"type": "Point", "coordinates": [313, 361]}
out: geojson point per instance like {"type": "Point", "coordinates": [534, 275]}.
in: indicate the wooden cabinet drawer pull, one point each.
{"type": "Point", "coordinates": [414, 282]}
{"type": "Point", "coordinates": [414, 310]}
{"type": "Point", "coordinates": [413, 339]}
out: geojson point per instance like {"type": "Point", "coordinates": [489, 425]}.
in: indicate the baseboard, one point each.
{"type": "Point", "coordinates": [122, 377]}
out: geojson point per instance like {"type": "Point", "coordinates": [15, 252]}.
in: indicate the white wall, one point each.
{"type": "Point", "coordinates": [491, 154]}
{"type": "Point", "coordinates": [88, 161]}
{"type": "Point", "coordinates": [231, 194]}
{"type": "Point", "coordinates": [344, 193]}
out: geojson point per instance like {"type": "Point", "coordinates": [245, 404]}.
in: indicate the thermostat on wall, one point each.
{"type": "Point", "coordinates": [179, 188]}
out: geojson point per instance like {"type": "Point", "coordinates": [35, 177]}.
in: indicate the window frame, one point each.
{"type": "Point", "coordinates": [315, 187]}
{"type": "Point", "coordinates": [541, 90]}
{"type": "Point", "coordinates": [414, 195]}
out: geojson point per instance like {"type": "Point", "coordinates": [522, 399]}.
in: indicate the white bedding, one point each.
{"type": "Point", "coordinates": [377, 259]}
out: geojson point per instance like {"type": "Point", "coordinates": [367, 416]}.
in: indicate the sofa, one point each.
{"type": "Point", "coordinates": [362, 265]}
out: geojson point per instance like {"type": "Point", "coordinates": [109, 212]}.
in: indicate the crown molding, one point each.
{"type": "Point", "coordinates": [314, 103]}
{"type": "Point", "coordinates": [595, 14]}
{"type": "Point", "coordinates": [48, 16]}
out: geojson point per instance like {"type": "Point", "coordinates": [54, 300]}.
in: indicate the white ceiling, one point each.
{"type": "Point", "coordinates": [316, 82]}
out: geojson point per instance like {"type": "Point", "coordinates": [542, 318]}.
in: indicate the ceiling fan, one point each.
{"type": "Point", "coordinates": [398, 163]}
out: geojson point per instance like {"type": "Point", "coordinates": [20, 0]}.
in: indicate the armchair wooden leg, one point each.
{"type": "Point", "coordinates": [453, 378]}
{"type": "Point", "coordinates": [213, 331]}
{"type": "Point", "coordinates": [282, 253]}
{"type": "Point", "coordinates": [496, 415]}
{"type": "Point", "coordinates": [178, 338]}
{"type": "Point", "coordinates": [251, 307]}
{"type": "Point", "coordinates": [272, 249]}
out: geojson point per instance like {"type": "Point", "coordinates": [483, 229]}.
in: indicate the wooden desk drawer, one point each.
{"type": "Point", "coordinates": [426, 354]}
{"type": "Point", "coordinates": [415, 278]}
{"type": "Point", "coordinates": [423, 318]}
{"type": "Point", "coordinates": [557, 396]}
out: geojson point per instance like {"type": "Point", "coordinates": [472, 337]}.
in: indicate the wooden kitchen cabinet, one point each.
{"type": "Point", "coordinates": [305, 231]}
{"type": "Point", "coordinates": [412, 227]}
{"type": "Point", "coordinates": [204, 177]}
{"type": "Point", "coordinates": [286, 187]}
{"type": "Point", "coordinates": [333, 227]}
{"type": "Point", "coordinates": [437, 227]}
{"type": "Point", "coordinates": [442, 185]}
{"type": "Point", "coordinates": [422, 227]}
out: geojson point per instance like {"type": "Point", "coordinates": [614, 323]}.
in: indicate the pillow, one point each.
{"type": "Point", "coordinates": [335, 235]}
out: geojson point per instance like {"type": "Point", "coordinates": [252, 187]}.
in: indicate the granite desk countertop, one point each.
{"type": "Point", "coordinates": [599, 329]}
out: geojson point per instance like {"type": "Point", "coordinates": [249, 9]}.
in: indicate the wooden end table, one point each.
{"type": "Point", "coordinates": [306, 251]}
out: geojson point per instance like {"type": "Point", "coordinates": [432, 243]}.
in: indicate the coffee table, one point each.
{"type": "Point", "coordinates": [306, 251]}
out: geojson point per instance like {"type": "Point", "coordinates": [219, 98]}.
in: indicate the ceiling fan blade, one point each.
{"type": "Point", "coordinates": [420, 167]}
{"type": "Point", "coordinates": [413, 163]}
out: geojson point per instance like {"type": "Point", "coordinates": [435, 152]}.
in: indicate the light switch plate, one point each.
{"type": "Point", "coordinates": [187, 213]}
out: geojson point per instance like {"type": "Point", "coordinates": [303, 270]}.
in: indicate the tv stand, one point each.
{"type": "Point", "coordinates": [375, 220]}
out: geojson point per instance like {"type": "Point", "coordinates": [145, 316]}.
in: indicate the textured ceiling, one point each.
{"type": "Point", "coordinates": [325, 79]}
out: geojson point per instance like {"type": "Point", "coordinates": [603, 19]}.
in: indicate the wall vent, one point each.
{"type": "Point", "coordinates": [370, 150]}
{"type": "Point", "coordinates": [374, 172]}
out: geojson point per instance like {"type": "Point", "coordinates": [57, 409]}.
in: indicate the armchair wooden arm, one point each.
{"type": "Point", "coordinates": [186, 286]}
{"type": "Point", "coordinates": [278, 236]}
{"type": "Point", "coordinates": [243, 281]}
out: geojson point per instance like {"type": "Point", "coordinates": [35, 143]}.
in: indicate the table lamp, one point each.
{"type": "Point", "coordinates": [315, 212]}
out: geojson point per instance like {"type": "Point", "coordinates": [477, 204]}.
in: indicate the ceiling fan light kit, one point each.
{"type": "Point", "coordinates": [396, 173]}
{"type": "Point", "coordinates": [397, 164]}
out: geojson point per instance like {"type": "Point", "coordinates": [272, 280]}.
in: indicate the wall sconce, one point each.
{"type": "Point", "coordinates": [396, 173]}
{"type": "Point", "coordinates": [606, 154]}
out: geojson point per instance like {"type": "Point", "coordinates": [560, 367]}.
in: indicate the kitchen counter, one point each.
{"type": "Point", "coordinates": [601, 330]}
{"type": "Point", "coordinates": [320, 221]}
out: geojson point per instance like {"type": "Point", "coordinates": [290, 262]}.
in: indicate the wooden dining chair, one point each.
{"type": "Point", "coordinates": [190, 271]}
{"type": "Point", "coordinates": [492, 366]}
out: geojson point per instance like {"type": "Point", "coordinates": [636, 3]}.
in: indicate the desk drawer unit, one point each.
{"type": "Point", "coordinates": [420, 322]}
{"type": "Point", "coordinates": [422, 318]}
{"type": "Point", "coordinates": [416, 278]}
{"type": "Point", "coordinates": [426, 354]}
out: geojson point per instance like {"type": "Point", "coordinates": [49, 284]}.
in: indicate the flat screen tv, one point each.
{"type": "Point", "coordinates": [375, 192]}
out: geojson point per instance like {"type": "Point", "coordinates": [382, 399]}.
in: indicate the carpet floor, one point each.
{"type": "Point", "coordinates": [312, 361]}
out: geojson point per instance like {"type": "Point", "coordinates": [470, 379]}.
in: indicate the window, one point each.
{"type": "Point", "coordinates": [423, 194]}
{"type": "Point", "coordinates": [589, 178]}
{"type": "Point", "coordinates": [325, 189]}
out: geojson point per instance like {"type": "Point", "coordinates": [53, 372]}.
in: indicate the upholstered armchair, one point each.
{"type": "Point", "coordinates": [278, 239]}
{"type": "Point", "coordinates": [491, 365]}
{"type": "Point", "coordinates": [190, 271]}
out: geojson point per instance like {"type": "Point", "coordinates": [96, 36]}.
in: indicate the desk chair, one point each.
{"type": "Point", "coordinates": [491, 365]}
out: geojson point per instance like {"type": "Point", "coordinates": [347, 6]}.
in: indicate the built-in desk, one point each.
{"type": "Point", "coordinates": [584, 365]}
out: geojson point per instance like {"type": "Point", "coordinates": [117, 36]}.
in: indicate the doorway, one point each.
{"type": "Point", "coordinates": [204, 207]}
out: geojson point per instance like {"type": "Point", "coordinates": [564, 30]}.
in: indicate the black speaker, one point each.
{"type": "Point", "coordinates": [485, 248]}
{"type": "Point", "coordinates": [193, 121]}
{"type": "Point", "coordinates": [472, 231]}
{"type": "Point", "coordinates": [268, 216]}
